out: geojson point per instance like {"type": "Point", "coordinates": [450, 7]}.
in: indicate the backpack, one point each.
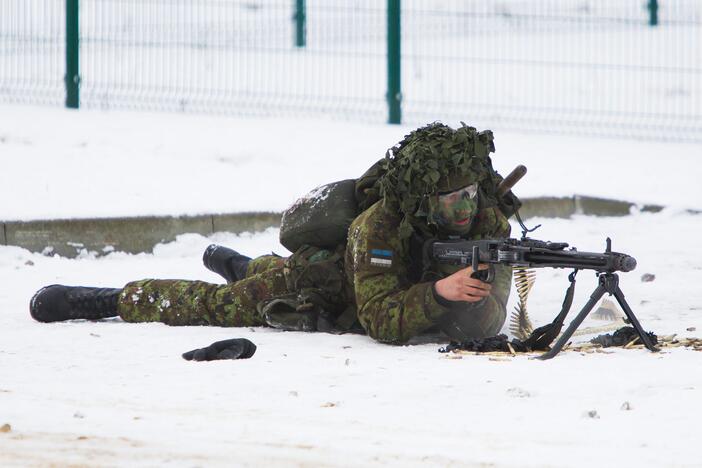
{"type": "Point", "coordinates": [323, 216]}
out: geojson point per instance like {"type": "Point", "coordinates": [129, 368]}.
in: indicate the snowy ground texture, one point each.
{"type": "Point", "coordinates": [66, 164]}
{"type": "Point", "coordinates": [112, 393]}
{"type": "Point", "coordinates": [115, 394]}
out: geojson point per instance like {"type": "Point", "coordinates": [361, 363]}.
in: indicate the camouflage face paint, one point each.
{"type": "Point", "coordinates": [457, 209]}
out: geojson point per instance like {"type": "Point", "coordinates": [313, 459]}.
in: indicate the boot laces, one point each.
{"type": "Point", "coordinates": [95, 301]}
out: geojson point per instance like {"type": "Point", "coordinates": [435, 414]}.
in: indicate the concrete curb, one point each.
{"type": "Point", "coordinates": [71, 237]}
{"type": "Point", "coordinates": [565, 207]}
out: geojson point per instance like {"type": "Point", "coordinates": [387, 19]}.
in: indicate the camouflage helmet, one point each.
{"type": "Point", "coordinates": [433, 159]}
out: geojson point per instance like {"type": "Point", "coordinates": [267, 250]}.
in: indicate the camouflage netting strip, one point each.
{"type": "Point", "coordinates": [431, 159]}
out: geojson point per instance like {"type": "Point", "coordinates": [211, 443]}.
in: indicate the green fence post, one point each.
{"type": "Point", "coordinates": [72, 77]}
{"type": "Point", "coordinates": [394, 95]}
{"type": "Point", "coordinates": [300, 23]}
{"type": "Point", "coordinates": [653, 12]}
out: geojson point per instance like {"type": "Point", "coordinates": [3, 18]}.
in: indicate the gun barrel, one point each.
{"type": "Point", "coordinates": [533, 254]}
{"type": "Point", "coordinates": [626, 263]}
{"type": "Point", "coordinates": [583, 260]}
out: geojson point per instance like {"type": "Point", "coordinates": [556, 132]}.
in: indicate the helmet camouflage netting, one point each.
{"type": "Point", "coordinates": [433, 159]}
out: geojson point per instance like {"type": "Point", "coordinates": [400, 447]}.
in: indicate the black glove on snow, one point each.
{"type": "Point", "coordinates": [236, 348]}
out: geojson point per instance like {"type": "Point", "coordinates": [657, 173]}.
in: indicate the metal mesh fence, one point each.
{"type": "Point", "coordinates": [32, 54]}
{"type": "Point", "coordinates": [231, 57]}
{"type": "Point", "coordinates": [569, 66]}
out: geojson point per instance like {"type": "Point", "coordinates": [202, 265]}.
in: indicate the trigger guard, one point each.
{"type": "Point", "coordinates": [486, 276]}
{"type": "Point", "coordinates": [490, 274]}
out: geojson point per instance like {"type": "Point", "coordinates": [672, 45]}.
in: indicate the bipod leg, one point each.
{"type": "Point", "coordinates": [563, 340]}
{"type": "Point", "coordinates": [634, 321]}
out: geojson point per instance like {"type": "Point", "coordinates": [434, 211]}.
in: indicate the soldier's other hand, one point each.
{"type": "Point", "coordinates": [461, 287]}
{"type": "Point", "coordinates": [236, 348]}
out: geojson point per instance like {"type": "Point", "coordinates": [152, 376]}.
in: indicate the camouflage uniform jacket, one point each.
{"type": "Point", "coordinates": [394, 293]}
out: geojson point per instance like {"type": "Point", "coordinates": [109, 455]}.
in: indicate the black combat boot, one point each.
{"type": "Point", "coordinates": [57, 302]}
{"type": "Point", "coordinates": [228, 263]}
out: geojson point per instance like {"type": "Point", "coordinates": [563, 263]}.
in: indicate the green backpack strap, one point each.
{"type": "Point", "coordinates": [367, 191]}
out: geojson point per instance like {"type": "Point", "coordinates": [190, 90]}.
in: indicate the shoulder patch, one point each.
{"type": "Point", "coordinates": [381, 257]}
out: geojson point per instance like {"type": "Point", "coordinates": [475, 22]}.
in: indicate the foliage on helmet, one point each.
{"type": "Point", "coordinates": [432, 159]}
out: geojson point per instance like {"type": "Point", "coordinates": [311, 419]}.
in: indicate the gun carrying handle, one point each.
{"type": "Point", "coordinates": [511, 180]}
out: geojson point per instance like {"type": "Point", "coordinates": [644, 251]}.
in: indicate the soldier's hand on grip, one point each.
{"type": "Point", "coordinates": [236, 348]}
{"type": "Point", "coordinates": [461, 286]}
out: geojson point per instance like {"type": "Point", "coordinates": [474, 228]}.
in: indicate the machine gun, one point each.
{"type": "Point", "coordinates": [531, 253]}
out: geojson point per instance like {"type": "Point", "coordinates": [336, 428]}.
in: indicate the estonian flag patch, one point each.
{"type": "Point", "coordinates": [381, 258]}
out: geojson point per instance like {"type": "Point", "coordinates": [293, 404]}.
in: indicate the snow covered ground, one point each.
{"type": "Point", "coordinates": [65, 164]}
{"type": "Point", "coordinates": [115, 394]}
{"type": "Point", "coordinates": [111, 393]}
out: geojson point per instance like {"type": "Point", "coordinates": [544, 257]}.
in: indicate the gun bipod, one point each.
{"type": "Point", "coordinates": [608, 283]}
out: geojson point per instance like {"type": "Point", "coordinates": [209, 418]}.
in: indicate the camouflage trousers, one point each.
{"type": "Point", "coordinates": [182, 302]}
{"type": "Point", "coordinates": [297, 288]}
